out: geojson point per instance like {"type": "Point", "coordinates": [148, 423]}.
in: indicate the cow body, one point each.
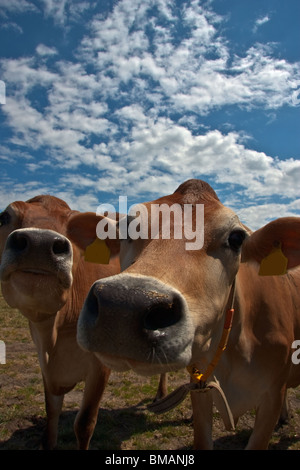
{"type": "Point", "coordinates": [171, 304]}
{"type": "Point", "coordinates": [47, 279]}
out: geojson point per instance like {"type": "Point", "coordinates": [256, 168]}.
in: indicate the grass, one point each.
{"type": "Point", "coordinates": [123, 422]}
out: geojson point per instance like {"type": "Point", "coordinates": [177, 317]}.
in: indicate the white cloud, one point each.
{"type": "Point", "coordinates": [260, 21]}
{"type": "Point", "coordinates": [11, 25]}
{"type": "Point", "coordinates": [157, 156]}
{"type": "Point", "coordinates": [44, 50]}
{"type": "Point", "coordinates": [133, 113]}
{"type": "Point", "coordinates": [183, 70]}
{"type": "Point", "coordinates": [56, 9]}
{"type": "Point", "coordinates": [64, 12]}
{"type": "Point", "coordinates": [257, 79]}
{"type": "Point", "coordinates": [160, 147]}
{"type": "Point", "coordinates": [102, 114]}
{"type": "Point", "coordinates": [11, 191]}
{"type": "Point", "coordinates": [256, 215]}
{"type": "Point", "coordinates": [15, 6]}
{"type": "Point", "coordinates": [22, 192]}
{"type": "Point", "coordinates": [61, 11]}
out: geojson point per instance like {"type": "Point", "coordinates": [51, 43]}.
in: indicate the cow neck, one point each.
{"type": "Point", "coordinates": [198, 379]}
{"type": "Point", "coordinates": [196, 375]}
{"type": "Point", "coordinates": [44, 333]}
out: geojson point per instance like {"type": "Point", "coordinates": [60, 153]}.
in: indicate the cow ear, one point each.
{"type": "Point", "coordinates": [82, 230]}
{"type": "Point", "coordinates": [276, 246]}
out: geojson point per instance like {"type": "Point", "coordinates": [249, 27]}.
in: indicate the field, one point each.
{"type": "Point", "coordinates": [123, 422]}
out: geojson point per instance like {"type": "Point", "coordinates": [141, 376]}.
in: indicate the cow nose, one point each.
{"type": "Point", "coordinates": [25, 241]}
{"type": "Point", "coordinates": [127, 311]}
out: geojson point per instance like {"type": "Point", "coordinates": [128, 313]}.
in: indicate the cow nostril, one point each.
{"type": "Point", "coordinates": [18, 242]}
{"type": "Point", "coordinates": [61, 246]}
{"type": "Point", "coordinates": [162, 315]}
{"type": "Point", "coordinates": [91, 306]}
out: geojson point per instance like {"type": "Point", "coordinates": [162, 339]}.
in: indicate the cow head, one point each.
{"type": "Point", "coordinates": [36, 257]}
{"type": "Point", "coordinates": [166, 309]}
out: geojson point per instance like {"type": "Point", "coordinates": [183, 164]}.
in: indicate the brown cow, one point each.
{"type": "Point", "coordinates": [47, 279]}
{"type": "Point", "coordinates": [167, 310]}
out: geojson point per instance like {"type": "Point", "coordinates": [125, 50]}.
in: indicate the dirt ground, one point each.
{"type": "Point", "coordinates": [123, 421]}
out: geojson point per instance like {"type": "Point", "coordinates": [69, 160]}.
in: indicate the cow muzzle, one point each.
{"type": "Point", "coordinates": [134, 321]}
{"type": "Point", "coordinates": [36, 269]}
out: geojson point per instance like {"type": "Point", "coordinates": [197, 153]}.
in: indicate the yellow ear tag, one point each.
{"type": "Point", "coordinates": [275, 264]}
{"type": "Point", "coordinates": [97, 252]}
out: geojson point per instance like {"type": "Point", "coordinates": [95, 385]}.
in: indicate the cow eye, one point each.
{"type": "Point", "coordinates": [4, 218]}
{"type": "Point", "coordinates": [236, 239]}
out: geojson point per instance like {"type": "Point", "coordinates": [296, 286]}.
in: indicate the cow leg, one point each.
{"type": "Point", "coordinates": [202, 404]}
{"type": "Point", "coordinates": [53, 409]}
{"type": "Point", "coordinates": [285, 412]}
{"type": "Point", "coordinates": [162, 387]}
{"type": "Point", "coordinates": [86, 418]}
{"type": "Point", "coordinates": [266, 418]}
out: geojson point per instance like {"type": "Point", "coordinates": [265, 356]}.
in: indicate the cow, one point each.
{"type": "Point", "coordinates": [169, 307]}
{"type": "Point", "coordinates": [45, 277]}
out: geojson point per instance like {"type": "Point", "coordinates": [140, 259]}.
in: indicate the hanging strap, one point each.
{"type": "Point", "coordinates": [177, 396]}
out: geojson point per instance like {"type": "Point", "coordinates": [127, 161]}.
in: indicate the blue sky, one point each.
{"type": "Point", "coordinates": [133, 97]}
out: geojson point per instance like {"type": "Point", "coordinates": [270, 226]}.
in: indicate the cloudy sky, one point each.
{"type": "Point", "coordinates": [132, 97]}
